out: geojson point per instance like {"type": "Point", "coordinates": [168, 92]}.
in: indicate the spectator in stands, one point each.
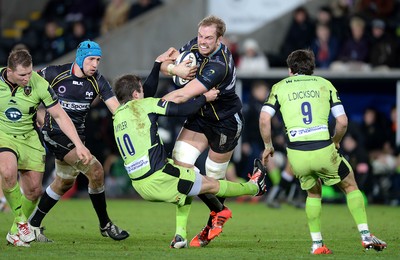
{"type": "Point", "coordinates": [325, 46]}
{"type": "Point", "coordinates": [88, 11]}
{"type": "Point", "coordinates": [252, 144]}
{"type": "Point", "coordinates": [142, 6]}
{"type": "Point", "coordinates": [76, 33]}
{"type": "Point", "coordinates": [253, 59]}
{"type": "Point", "coordinates": [357, 156]}
{"type": "Point", "coordinates": [375, 128]}
{"type": "Point", "coordinates": [53, 43]}
{"type": "Point", "coordinates": [354, 53]}
{"type": "Point", "coordinates": [300, 34]}
{"type": "Point", "coordinates": [395, 188]}
{"type": "Point", "coordinates": [232, 42]}
{"type": "Point", "coordinates": [336, 25]}
{"type": "Point", "coordinates": [116, 14]}
{"type": "Point", "coordinates": [370, 9]}
{"type": "Point", "coordinates": [384, 49]}
{"type": "Point", "coordinates": [55, 10]}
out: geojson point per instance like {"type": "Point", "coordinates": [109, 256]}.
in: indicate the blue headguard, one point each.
{"type": "Point", "coordinates": [85, 49]}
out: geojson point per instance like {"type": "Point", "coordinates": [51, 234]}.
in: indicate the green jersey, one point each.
{"type": "Point", "coordinates": [305, 103]}
{"type": "Point", "coordinates": [18, 105]}
{"type": "Point", "coordinates": [135, 130]}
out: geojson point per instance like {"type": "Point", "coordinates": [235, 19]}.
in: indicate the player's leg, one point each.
{"type": "Point", "coordinates": [12, 192]}
{"type": "Point", "coordinates": [30, 158]}
{"type": "Point", "coordinates": [189, 145]}
{"type": "Point", "coordinates": [95, 174]}
{"type": "Point", "coordinates": [356, 205]}
{"type": "Point", "coordinates": [3, 202]}
{"type": "Point", "coordinates": [302, 164]}
{"type": "Point", "coordinates": [63, 181]}
{"type": "Point", "coordinates": [31, 182]}
{"type": "Point", "coordinates": [222, 138]}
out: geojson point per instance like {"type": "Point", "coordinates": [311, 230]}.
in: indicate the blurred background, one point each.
{"type": "Point", "coordinates": [356, 45]}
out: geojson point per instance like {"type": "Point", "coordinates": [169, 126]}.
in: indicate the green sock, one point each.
{"type": "Point", "coordinates": [28, 206]}
{"type": "Point", "coordinates": [313, 212]}
{"type": "Point", "coordinates": [14, 197]}
{"type": "Point", "coordinates": [229, 189]}
{"type": "Point", "coordinates": [355, 203]}
{"type": "Point", "coordinates": [182, 214]}
{"type": "Point", "coordinates": [275, 176]}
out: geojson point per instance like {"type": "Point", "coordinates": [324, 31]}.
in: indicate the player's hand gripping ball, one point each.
{"type": "Point", "coordinates": [186, 55]}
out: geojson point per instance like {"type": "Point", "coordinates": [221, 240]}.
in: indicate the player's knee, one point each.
{"type": "Point", "coordinates": [93, 166]}
{"type": "Point", "coordinates": [216, 170]}
{"type": "Point", "coordinates": [33, 193]}
{"type": "Point", "coordinates": [185, 153]}
{"type": "Point", "coordinates": [66, 171]}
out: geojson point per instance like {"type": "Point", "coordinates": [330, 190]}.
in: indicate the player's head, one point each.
{"type": "Point", "coordinates": [19, 67]}
{"type": "Point", "coordinates": [128, 87]}
{"type": "Point", "coordinates": [85, 49]}
{"type": "Point", "coordinates": [301, 62]}
{"type": "Point", "coordinates": [209, 35]}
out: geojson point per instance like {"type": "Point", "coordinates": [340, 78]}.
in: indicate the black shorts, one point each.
{"type": "Point", "coordinates": [58, 143]}
{"type": "Point", "coordinates": [222, 135]}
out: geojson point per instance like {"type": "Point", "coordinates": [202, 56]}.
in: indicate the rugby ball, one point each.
{"type": "Point", "coordinates": [186, 55]}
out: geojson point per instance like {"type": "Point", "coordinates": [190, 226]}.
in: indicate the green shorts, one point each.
{"type": "Point", "coordinates": [28, 149]}
{"type": "Point", "coordinates": [170, 184]}
{"type": "Point", "coordinates": [325, 164]}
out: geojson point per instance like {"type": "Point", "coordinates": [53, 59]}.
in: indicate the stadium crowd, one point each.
{"type": "Point", "coordinates": [347, 35]}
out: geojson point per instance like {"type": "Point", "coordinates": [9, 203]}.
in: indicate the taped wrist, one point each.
{"type": "Point", "coordinates": [170, 67]}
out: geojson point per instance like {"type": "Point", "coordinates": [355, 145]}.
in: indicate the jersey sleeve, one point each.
{"type": "Point", "coordinates": [105, 90]}
{"type": "Point", "coordinates": [45, 92]}
{"type": "Point", "coordinates": [211, 75]}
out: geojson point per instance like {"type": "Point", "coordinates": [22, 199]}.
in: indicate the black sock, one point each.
{"type": "Point", "coordinates": [100, 206]}
{"type": "Point", "coordinates": [214, 203]}
{"type": "Point", "coordinates": [44, 206]}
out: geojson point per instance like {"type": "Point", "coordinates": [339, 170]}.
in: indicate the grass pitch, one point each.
{"type": "Point", "coordinates": [254, 232]}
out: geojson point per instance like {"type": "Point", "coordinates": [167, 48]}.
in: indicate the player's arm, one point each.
{"type": "Point", "coordinates": [112, 104]}
{"type": "Point", "coordinates": [183, 69]}
{"type": "Point", "coordinates": [192, 106]}
{"type": "Point", "coordinates": [190, 90]}
{"type": "Point", "coordinates": [340, 128]}
{"type": "Point", "coordinates": [66, 125]}
{"type": "Point", "coordinates": [151, 83]}
{"type": "Point", "coordinates": [265, 131]}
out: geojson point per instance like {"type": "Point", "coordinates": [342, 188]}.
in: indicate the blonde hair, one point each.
{"type": "Point", "coordinates": [214, 20]}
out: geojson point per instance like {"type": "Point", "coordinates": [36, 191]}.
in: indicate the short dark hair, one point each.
{"type": "Point", "coordinates": [301, 62]}
{"type": "Point", "coordinates": [125, 85]}
{"type": "Point", "coordinates": [19, 57]}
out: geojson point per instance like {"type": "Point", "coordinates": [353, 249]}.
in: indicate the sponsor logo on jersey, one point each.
{"type": "Point", "coordinates": [89, 95]}
{"type": "Point", "coordinates": [74, 105]}
{"type": "Point", "coordinates": [62, 89]}
{"type": "Point", "coordinates": [13, 114]}
{"type": "Point", "coordinates": [294, 133]}
{"type": "Point", "coordinates": [137, 165]}
{"type": "Point", "coordinates": [27, 90]}
{"type": "Point", "coordinates": [79, 83]}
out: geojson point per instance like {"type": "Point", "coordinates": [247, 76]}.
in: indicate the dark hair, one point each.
{"type": "Point", "coordinates": [214, 20]}
{"type": "Point", "coordinates": [301, 62]}
{"type": "Point", "coordinates": [125, 86]}
{"type": "Point", "coordinates": [19, 57]}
